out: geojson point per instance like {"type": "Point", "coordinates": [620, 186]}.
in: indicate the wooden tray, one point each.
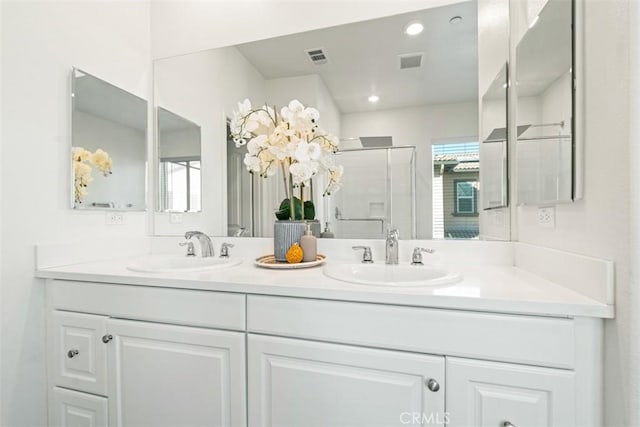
{"type": "Point", "coordinates": [269, 261]}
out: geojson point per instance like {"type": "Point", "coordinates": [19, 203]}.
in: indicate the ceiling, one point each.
{"type": "Point", "coordinates": [363, 59]}
{"type": "Point", "coordinates": [171, 122]}
{"type": "Point", "coordinates": [102, 99]}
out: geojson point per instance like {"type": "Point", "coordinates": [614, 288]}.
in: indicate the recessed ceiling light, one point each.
{"type": "Point", "coordinates": [455, 20]}
{"type": "Point", "coordinates": [373, 99]}
{"type": "Point", "coordinates": [413, 28]}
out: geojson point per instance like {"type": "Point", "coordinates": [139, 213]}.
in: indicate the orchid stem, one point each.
{"type": "Point", "coordinates": [284, 180]}
{"type": "Point", "coordinates": [292, 203]}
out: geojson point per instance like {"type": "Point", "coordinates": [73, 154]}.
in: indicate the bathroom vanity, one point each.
{"type": "Point", "coordinates": [246, 346]}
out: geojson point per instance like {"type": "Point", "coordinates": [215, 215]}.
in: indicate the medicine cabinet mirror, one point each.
{"type": "Point", "coordinates": [179, 163]}
{"type": "Point", "coordinates": [108, 145]}
{"type": "Point", "coordinates": [545, 89]}
{"type": "Point", "coordinates": [494, 142]}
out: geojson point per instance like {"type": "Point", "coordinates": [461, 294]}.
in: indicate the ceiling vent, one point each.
{"type": "Point", "coordinates": [410, 60]}
{"type": "Point", "coordinates": [317, 56]}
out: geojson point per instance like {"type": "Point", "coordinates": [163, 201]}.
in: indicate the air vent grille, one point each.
{"type": "Point", "coordinates": [413, 60]}
{"type": "Point", "coordinates": [317, 56]}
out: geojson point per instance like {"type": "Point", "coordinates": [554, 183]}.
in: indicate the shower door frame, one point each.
{"type": "Point", "coordinates": [389, 183]}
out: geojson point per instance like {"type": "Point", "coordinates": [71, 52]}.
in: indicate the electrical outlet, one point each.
{"type": "Point", "coordinates": [547, 217]}
{"type": "Point", "coordinates": [114, 218]}
{"type": "Point", "coordinates": [175, 218]}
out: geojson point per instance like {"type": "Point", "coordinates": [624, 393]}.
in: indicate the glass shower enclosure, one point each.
{"type": "Point", "coordinates": [378, 191]}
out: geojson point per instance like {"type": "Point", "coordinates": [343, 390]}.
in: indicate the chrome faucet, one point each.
{"type": "Point", "coordinates": [206, 247]}
{"type": "Point", "coordinates": [224, 250]}
{"type": "Point", "coordinates": [416, 258]}
{"type": "Point", "coordinates": [391, 246]}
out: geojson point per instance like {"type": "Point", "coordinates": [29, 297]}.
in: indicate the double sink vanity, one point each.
{"type": "Point", "coordinates": [484, 334]}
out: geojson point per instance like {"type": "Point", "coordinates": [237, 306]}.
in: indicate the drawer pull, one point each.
{"type": "Point", "coordinates": [72, 353]}
{"type": "Point", "coordinates": [507, 424]}
{"type": "Point", "coordinates": [433, 385]}
{"type": "Point", "coordinates": [107, 338]}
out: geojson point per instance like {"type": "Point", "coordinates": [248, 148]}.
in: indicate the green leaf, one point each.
{"type": "Point", "coordinates": [309, 210]}
{"type": "Point", "coordinates": [284, 212]}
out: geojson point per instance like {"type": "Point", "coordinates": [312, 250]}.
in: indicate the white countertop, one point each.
{"type": "Point", "coordinates": [492, 288]}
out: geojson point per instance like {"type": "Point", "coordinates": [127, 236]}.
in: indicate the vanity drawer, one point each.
{"type": "Point", "coordinates": [529, 340]}
{"type": "Point", "coordinates": [78, 356]}
{"type": "Point", "coordinates": [70, 408]}
{"type": "Point", "coordinates": [220, 310]}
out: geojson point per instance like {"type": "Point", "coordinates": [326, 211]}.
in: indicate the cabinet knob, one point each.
{"type": "Point", "coordinates": [433, 385]}
{"type": "Point", "coordinates": [107, 338]}
{"type": "Point", "coordinates": [72, 353]}
{"type": "Point", "coordinates": [507, 424]}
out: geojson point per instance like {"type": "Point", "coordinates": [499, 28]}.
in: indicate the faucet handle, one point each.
{"type": "Point", "coordinates": [366, 255]}
{"type": "Point", "coordinates": [416, 258]}
{"type": "Point", "coordinates": [224, 250]}
{"type": "Point", "coordinates": [191, 251]}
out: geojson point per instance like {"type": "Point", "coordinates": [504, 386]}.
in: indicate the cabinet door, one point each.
{"type": "Point", "coordinates": [305, 383]}
{"type": "Point", "coordinates": [490, 394]}
{"type": "Point", "coordinates": [77, 357]}
{"type": "Point", "coordinates": [165, 375]}
{"type": "Point", "coordinates": [68, 408]}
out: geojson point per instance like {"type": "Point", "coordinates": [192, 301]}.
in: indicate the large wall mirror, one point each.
{"type": "Point", "coordinates": [109, 145]}
{"type": "Point", "coordinates": [545, 89]}
{"type": "Point", "coordinates": [404, 106]}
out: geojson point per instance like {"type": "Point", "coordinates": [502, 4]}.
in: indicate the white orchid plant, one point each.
{"type": "Point", "coordinates": [82, 162]}
{"type": "Point", "coordinates": [290, 141]}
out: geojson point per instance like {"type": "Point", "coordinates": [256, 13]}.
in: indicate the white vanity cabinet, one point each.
{"type": "Point", "coordinates": [73, 408]}
{"type": "Point", "coordinates": [493, 370]}
{"type": "Point", "coordinates": [108, 370]}
{"type": "Point", "coordinates": [306, 383]}
{"type": "Point", "coordinates": [166, 375]}
{"type": "Point", "coordinates": [132, 355]}
{"type": "Point", "coordinates": [488, 394]}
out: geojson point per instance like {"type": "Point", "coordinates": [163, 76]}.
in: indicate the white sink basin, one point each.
{"type": "Point", "coordinates": [391, 275]}
{"type": "Point", "coordinates": [175, 263]}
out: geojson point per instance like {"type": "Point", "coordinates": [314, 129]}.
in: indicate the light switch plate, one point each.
{"type": "Point", "coordinates": [175, 218]}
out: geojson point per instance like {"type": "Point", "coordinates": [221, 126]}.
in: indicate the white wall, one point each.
{"type": "Point", "coordinates": [329, 112]}
{"type": "Point", "coordinates": [179, 27]}
{"type": "Point", "coordinates": [422, 127]}
{"type": "Point", "coordinates": [279, 92]}
{"type": "Point", "coordinates": [41, 41]}
{"type": "Point", "coordinates": [598, 225]}
{"type": "Point", "coordinates": [180, 143]}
